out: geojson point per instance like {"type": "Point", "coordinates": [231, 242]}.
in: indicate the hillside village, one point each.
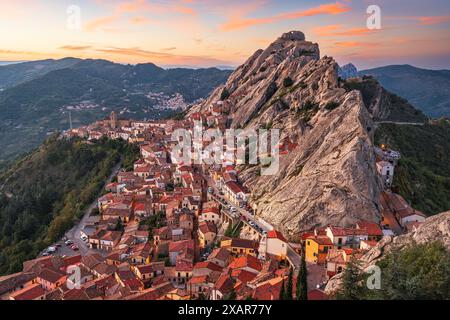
{"type": "Point", "coordinates": [168, 231]}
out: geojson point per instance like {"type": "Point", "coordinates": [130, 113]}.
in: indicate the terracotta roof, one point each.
{"type": "Point", "coordinates": [248, 261]}
{"type": "Point", "coordinates": [207, 226]}
{"type": "Point", "coordinates": [208, 265]}
{"type": "Point", "coordinates": [373, 229]}
{"type": "Point", "coordinates": [29, 293]}
{"type": "Point", "coordinates": [220, 254]}
{"type": "Point", "coordinates": [243, 243]}
{"type": "Point", "coordinates": [10, 282]}
{"type": "Point", "coordinates": [322, 240]}
{"type": "Point", "coordinates": [243, 275]}
{"type": "Point", "coordinates": [224, 284]}
{"type": "Point", "coordinates": [50, 275]}
{"type": "Point", "coordinates": [276, 234]}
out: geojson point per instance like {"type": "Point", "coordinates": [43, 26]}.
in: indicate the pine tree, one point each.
{"type": "Point", "coordinates": [351, 289]}
{"type": "Point", "coordinates": [289, 285]}
{"type": "Point", "coordinates": [302, 281]}
{"type": "Point", "coordinates": [282, 291]}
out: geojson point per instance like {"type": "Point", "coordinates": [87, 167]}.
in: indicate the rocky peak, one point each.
{"type": "Point", "coordinates": [348, 71]}
{"type": "Point", "coordinates": [330, 176]}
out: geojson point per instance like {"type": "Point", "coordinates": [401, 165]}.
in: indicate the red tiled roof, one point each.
{"type": "Point", "coordinates": [208, 265]}
{"type": "Point", "coordinates": [246, 261]}
{"type": "Point", "coordinates": [207, 226]}
{"type": "Point", "coordinates": [323, 240]}
{"type": "Point", "coordinates": [276, 234]}
{"type": "Point", "coordinates": [29, 293]}
{"type": "Point", "coordinates": [373, 229]}
{"type": "Point", "coordinates": [50, 275]}
{"type": "Point", "coordinates": [224, 284]}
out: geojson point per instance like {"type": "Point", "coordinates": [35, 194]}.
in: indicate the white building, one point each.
{"type": "Point", "coordinates": [386, 172]}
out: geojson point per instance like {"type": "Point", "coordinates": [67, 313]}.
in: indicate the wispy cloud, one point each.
{"type": "Point", "coordinates": [338, 30]}
{"type": "Point", "coordinates": [93, 25]}
{"type": "Point", "coordinates": [75, 48]}
{"type": "Point", "coordinates": [433, 20]}
{"type": "Point", "coordinates": [240, 22]}
{"type": "Point", "coordinates": [140, 20]}
{"type": "Point", "coordinates": [354, 44]}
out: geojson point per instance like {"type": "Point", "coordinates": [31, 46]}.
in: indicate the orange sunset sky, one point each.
{"type": "Point", "coordinates": [204, 33]}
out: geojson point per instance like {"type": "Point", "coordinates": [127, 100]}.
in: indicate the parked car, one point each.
{"type": "Point", "coordinates": [51, 249]}
{"type": "Point", "coordinates": [68, 242]}
{"type": "Point", "coordinates": [84, 238]}
{"type": "Point", "coordinates": [74, 248]}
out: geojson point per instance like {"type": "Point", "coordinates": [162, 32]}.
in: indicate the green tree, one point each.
{"type": "Point", "coordinates": [302, 281]}
{"type": "Point", "coordinates": [420, 271]}
{"type": "Point", "coordinates": [288, 82]}
{"type": "Point", "coordinates": [351, 288]}
{"type": "Point", "coordinates": [282, 291]}
{"type": "Point", "coordinates": [225, 94]}
{"type": "Point", "coordinates": [289, 285]}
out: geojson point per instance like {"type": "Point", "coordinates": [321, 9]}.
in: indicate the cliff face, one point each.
{"type": "Point", "coordinates": [435, 228]}
{"type": "Point", "coordinates": [330, 176]}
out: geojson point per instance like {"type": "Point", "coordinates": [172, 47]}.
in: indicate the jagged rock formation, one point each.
{"type": "Point", "coordinates": [330, 176]}
{"type": "Point", "coordinates": [435, 228]}
{"type": "Point", "coordinates": [348, 71]}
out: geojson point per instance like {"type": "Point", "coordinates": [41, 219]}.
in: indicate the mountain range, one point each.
{"type": "Point", "coordinates": [427, 90]}
{"type": "Point", "coordinates": [36, 97]}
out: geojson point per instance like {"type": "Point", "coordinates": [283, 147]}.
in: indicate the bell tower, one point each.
{"type": "Point", "coordinates": [113, 120]}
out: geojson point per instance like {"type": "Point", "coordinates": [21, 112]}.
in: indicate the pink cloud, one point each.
{"type": "Point", "coordinates": [339, 30]}
{"type": "Point", "coordinates": [238, 22]}
{"type": "Point", "coordinates": [93, 25]}
{"type": "Point", "coordinates": [432, 20]}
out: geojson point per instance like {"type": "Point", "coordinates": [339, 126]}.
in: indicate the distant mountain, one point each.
{"type": "Point", "coordinates": [348, 71]}
{"type": "Point", "coordinates": [428, 90]}
{"type": "Point", "coordinates": [36, 97]}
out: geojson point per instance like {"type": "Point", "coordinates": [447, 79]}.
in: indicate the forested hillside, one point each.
{"type": "Point", "coordinates": [36, 97]}
{"type": "Point", "coordinates": [44, 193]}
{"type": "Point", "coordinates": [423, 174]}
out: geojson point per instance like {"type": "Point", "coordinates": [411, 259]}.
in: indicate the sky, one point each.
{"type": "Point", "coordinates": [205, 33]}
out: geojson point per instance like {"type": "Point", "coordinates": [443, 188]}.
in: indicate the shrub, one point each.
{"type": "Point", "coordinates": [331, 105]}
{"type": "Point", "coordinates": [287, 82]}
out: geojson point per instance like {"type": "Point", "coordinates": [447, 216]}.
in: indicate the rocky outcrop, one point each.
{"type": "Point", "coordinates": [330, 176]}
{"type": "Point", "coordinates": [435, 228]}
{"type": "Point", "coordinates": [348, 71]}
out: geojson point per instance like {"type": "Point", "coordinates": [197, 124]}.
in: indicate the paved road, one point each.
{"type": "Point", "coordinates": [401, 123]}
{"type": "Point", "coordinates": [294, 257]}
{"type": "Point", "coordinates": [248, 215]}
{"type": "Point", "coordinates": [74, 234]}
